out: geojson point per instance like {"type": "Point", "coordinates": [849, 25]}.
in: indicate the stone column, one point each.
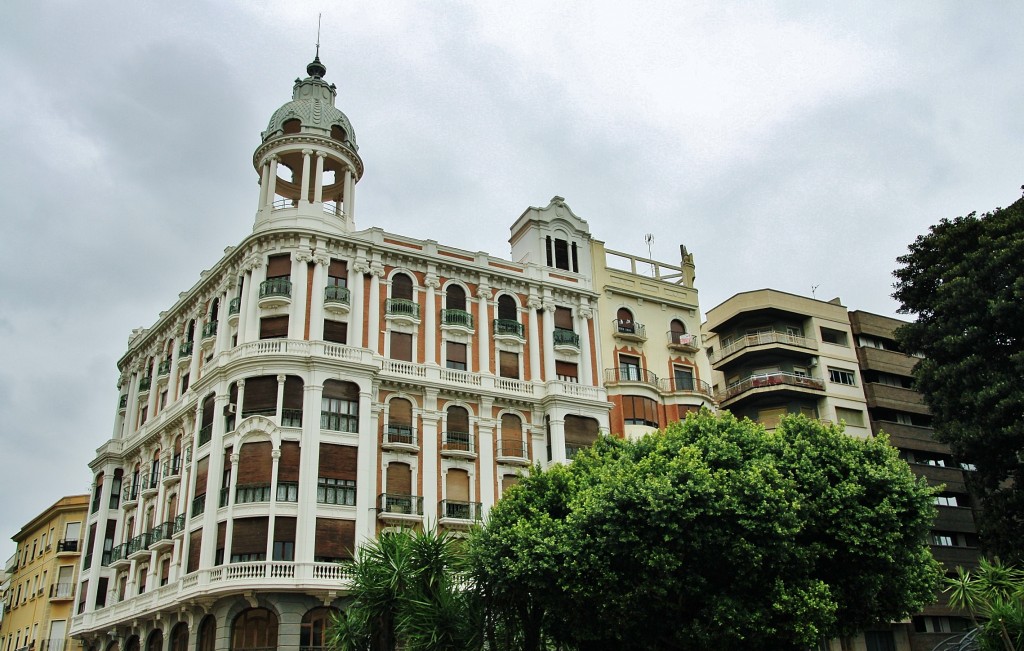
{"type": "Point", "coordinates": [223, 338]}
{"type": "Point", "coordinates": [429, 470]}
{"type": "Point", "coordinates": [272, 186]}
{"type": "Point", "coordinates": [430, 321]}
{"type": "Point", "coordinates": [356, 286]}
{"type": "Point", "coordinates": [316, 306]}
{"type": "Point", "coordinates": [535, 341]}
{"type": "Point", "coordinates": [257, 275]}
{"type": "Point", "coordinates": [309, 471]}
{"type": "Point", "coordinates": [280, 398]}
{"type": "Point", "coordinates": [483, 325]}
{"type": "Point", "coordinates": [304, 191]}
{"type": "Point", "coordinates": [373, 318]}
{"type": "Point", "coordinates": [264, 181]}
{"type": "Point", "coordinates": [586, 375]}
{"type": "Point", "coordinates": [558, 439]}
{"type": "Point", "coordinates": [197, 353]}
{"type": "Point", "coordinates": [297, 309]}
{"type": "Point", "coordinates": [275, 462]}
{"type": "Point", "coordinates": [318, 185]}
{"type": "Point", "coordinates": [243, 305]}
{"type": "Point", "coordinates": [486, 455]}
{"type": "Point", "coordinates": [232, 485]}
{"type": "Point", "coordinates": [549, 336]}
{"type": "Point", "coordinates": [366, 471]}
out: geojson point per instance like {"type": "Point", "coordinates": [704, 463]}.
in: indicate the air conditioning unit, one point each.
{"type": "Point", "coordinates": [814, 362]}
{"type": "Point", "coordinates": [230, 409]}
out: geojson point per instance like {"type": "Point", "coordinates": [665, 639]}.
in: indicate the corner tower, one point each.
{"type": "Point", "coordinates": [308, 161]}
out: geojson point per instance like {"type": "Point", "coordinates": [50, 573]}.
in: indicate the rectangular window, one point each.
{"type": "Point", "coordinates": [274, 327]}
{"type": "Point", "coordinates": [637, 410]}
{"type": "Point", "coordinates": [401, 346]}
{"type": "Point", "coordinates": [842, 376]}
{"type": "Point", "coordinates": [339, 415]}
{"type": "Point", "coordinates": [563, 319]}
{"type": "Point", "coordinates": [335, 331]}
{"type": "Point", "coordinates": [336, 491]}
{"type": "Point", "coordinates": [279, 266]}
{"type": "Point", "coordinates": [942, 539]}
{"type": "Point", "coordinates": [508, 364]}
{"type": "Point", "coordinates": [629, 368]}
{"type": "Point", "coordinates": [946, 499]}
{"type": "Point", "coordinates": [770, 417]}
{"type": "Point", "coordinates": [879, 641]}
{"type": "Point", "coordinates": [566, 371]}
{"type": "Point", "coordinates": [455, 356]}
{"type": "Point", "coordinates": [832, 336]}
{"type": "Point", "coordinates": [853, 417]}
{"type": "Point", "coordinates": [561, 254]}
{"type": "Point", "coordinates": [284, 550]}
{"type": "Point", "coordinates": [682, 376]}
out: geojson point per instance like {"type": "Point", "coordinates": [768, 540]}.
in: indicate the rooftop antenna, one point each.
{"type": "Point", "coordinates": [649, 238]}
{"type": "Point", "coordinates": [318, 17]}
{"type": "Point", "coordinates": [814, 288]}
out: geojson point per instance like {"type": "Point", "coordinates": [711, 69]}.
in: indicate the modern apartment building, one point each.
{"type": "Point", "coordinates": [774, 353]}
{"type": "Point", "coordinates": [655, 370]}
{"type": "Point", "coordinates": [42, 575]}
{"type": "Point", "coordinates": [320, 384]}
{"type": "Point", "coordinates": [897, 409]}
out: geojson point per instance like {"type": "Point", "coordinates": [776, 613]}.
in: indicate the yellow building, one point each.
{"type": "Point", "coordinates": [39, 599]}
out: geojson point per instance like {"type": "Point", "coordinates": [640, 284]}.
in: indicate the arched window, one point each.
{"type": "Point", "coordinates": [677, 332]}
{"type": "Point", "coordinates": [624, 321]}
{"type": "Point", "coordinates": [337, 133]}
{"type": "Point", "coordinates": [457, 435]}
{"type": "Point", "coordinates": [455, 298]}
{"type": "Point", "coordinates": [207, 640]}
{"type": "Point", "coordinates": [214, 309]}
{"type": "Point", "coordinates": [255, 628]}
{"type": "Point", "coordinates": [507, 308]}
{"type": "Point", "coordinates": [511, 443]}
{"type": "Point", "coordinates": [291, 126]}
{"type": "Point", "coordinates": [315, 624]}
{"type": "Point", "coordinates": [179, 637]}
{"type": "Point", "coordinates": [155, 642]}
{"type": "Point", "coordinates": [132, 644]}
{"type": "Point", "coordinates": [401, 286]}
{"type": "Point", "coordinates": [399, 427]}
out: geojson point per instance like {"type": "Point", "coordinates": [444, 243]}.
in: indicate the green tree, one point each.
{"type": "Point", "coordinates": [714, 534]}
{"type": "Point", "coordinates": [964, 280]}
{"type": "Point", "coordinates": [409, 592]}
{"type": "Point", "coordinates": [994, 593]}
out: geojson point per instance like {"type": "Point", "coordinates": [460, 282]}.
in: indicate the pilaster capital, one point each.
{"type": "Point", "coordinates": [547, 305]}
{"type": "Point", "coordinates": [253, 262]}
{"type": "Point", "coordinates": [534, 303]}
{"type": "Point", "coordinates": [321, 154]}
{"type": "Point", "coordinates": [432, 280]}
{"type": "Point", "coordinates": [361, 267]}
{"type": "Point", "coordinates": [302, 255]}
{"type": "Point", "coordinates": [585, 312]}
{"type": "Point", "coordinates": [483, 291]}
{"type": "Point", "coordinates": [307, 152]}
{"type": "Point", "coordinates": [281, 378]}
{"type": "Point", "coordinates": [322, 260]}
{"type": "Point", "coordinates": [275, 455]}
{"type": "Point", "coordinates": [234, 458]}
{"type": "Point", "coordinates": [377, 269]}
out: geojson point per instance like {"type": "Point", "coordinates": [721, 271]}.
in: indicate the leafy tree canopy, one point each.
{"type": "Point", "coordinates": [965, 281]}
{"type": "Point", "coordinates": [713, 534]}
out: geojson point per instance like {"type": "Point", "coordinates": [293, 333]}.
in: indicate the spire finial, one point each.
{"type": "Point", "coordinates": [316, 69]}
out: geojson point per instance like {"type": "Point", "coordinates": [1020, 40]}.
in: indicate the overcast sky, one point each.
{"type": "Point", "coordinates": [787, 145]}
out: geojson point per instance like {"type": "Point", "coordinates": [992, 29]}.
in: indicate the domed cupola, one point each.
{"type": "Point", "coordinates": [308, 161]}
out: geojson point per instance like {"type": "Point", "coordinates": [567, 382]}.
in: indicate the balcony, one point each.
{"type": "Point", "coordinates": [460, 320]}
{"type": "Point", "coordinates": [402, 310]}
{"type": "Point", "coordinates": [458, 444]}
{"type": "Point", "coordinates": [336, 299]}
{"type": "Point", "coordinates": [178, 525]}
{"type": "Point", "coordinates": [684, 343]}
{"type": "Point", "coordinates": [275, 292]}
{"type": "Point", "coordinates": [185, 352]}
{"type": "Point", "coordinates": [68, 546]}
{"type": "Point", "coordinates": [456, 514]}
{"type": "Point", "coordinates": [399, 507]}
{"type": "Point", "coordinates": [291, 418]}
{"type": "Point", "coordinates": [145, 384]}
{"type": "Point", "coordinates": [508, 329]}
{"type": "Point", "coordinates": [400, 438]}
{"type": "Point", "coordinates": [160, 535]}
{"type": "Point", "coordinates": [209, 334]}
{"type": "Point", "coordinates": [913, 437]}
{"type": "Point", "coordinates": [895, 398]}
{"type": "Point", "coordinates": [205, 434]}
{"type": "Point", "coordinates": [759, 341]}
{"type": "Point", "coordinates": [565, 339]}
{"type": "Point", "coordinates": [513, 452]}
{"type": "Point", "coordinates": [171, 470]}
{"type": "Point", "coordinates": [629, 374]}
{"type": "Point", "coordinates": [149, 483]}
{"type": "Point", "coordinates": [629, 331]}
{"type": "Point", "coordinates": [771, 382]}
{"type": "Point", "coordinates": [234, 308]}
{"type": "Point", "coordinates": [685, 385]}
{"type": "Point", "coordinates": [122, 404]}
{"type": "Point", "coordinates": [119, 556]}
{"type": "Point", "coordinates": [130, 496]}
{"type": "Point", "coordinates": [198, 505]}
{"type": "Point", "coordinates": [62, 591]}
{"type": "Point", "coordinates": [138, 547]}
{"type": "Point", "coordinates": [164, 368]}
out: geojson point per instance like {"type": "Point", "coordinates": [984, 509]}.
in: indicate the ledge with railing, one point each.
{"type": "Point", "coordinates": [683, 341]}
{"type": "Point", "coordinates": [508, 328]}
{"type": "Point", "coordinates": [457, 444]}
{"type": "Point", "coordinates": [402, 307]}
{"type": "Point", "coordinates": [62, 590]}
{"type": "Point", "coordinates": [399, 435]}
{"type": "Point", "coordinates": [336, 294]}
{"type": "Point", "coordinates": [276, 287]}
{"type": "Point", "coordinates": [130, 494]}
{"type": "Point", "coordinates": [457, 318]}
{"type": "Point", "coordinates": [185, 349]}
{"type": "Point", "coordinates": [234, 306]}
{"type": "Point", "coordinates": [399, 506]}
{"type": "Point", "coordinates": [164, 368]}
{"type": "Point", "coordinates": [630, 330]}
{"type": "Point", "coordinates": [629, 374]}
{"type": "Point", "coordinates": [565, 337]}
{"type": "Point", "coordinates": [205, 434]}
{"type": "Point", "coordinates": [762, 339]}
{"type": "Point", "coordinates": [198, 505]}
{"type": "Point", "coordinates": [767, 380]}
{"type": "Point", "coordinates": [68, 546]}
{"type": "Point", "coordinates": [123, 402]}
{"type": "Point", "coordinates": [232, 578]}
{"type": "Point", "coordinates": [684, 385]}
{"type": "Point", "coordinates": [512, 451]}
{"type": "Point", "coordinates": [448, 510]}
{"type": "Point", "coordinates": [172, 468]}
{"type": "Point", "coordinates": [145, 383]}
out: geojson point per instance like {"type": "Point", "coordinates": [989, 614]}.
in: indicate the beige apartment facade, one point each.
{"type": "Point", "coordinates": [43, 572]}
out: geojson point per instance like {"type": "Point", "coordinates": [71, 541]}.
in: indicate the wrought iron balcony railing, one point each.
{"type": "Point", "coordinates": [508, 327]}
{"type": "Point", "coordinates": [403, 307]}
{"type": "Point", "coordinates": [281, 286]}
{"type": "Point", "coordinates": [565, 337]}
{"type": "Point", "coordinates": [457, 318]}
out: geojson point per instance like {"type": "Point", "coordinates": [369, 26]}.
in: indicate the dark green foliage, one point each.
{"type": "Point", "coordinates": [409, 593]}
{"type": "Point", "coordinates": [712, 535]}
{"type": "Point", "coordinates": [965, 281]}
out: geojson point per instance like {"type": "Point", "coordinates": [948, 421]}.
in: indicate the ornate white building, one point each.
{"type": "Point", "coordinates": [318, 384]}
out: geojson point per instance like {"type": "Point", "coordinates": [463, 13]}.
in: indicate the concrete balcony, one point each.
{"type": "Point", "coordinates": [629, 375]}
{"type": "Point", "coordinates": [911, 437]}
{"type": "Point", "coordinates": [774, 341]}
{"type": "Point", "coordinates": [955, 518]}
{"type": "Point", "coordinates": [399, 507]}
{"type": "Point", "coordinates": [953, 556]}
{"type": "Point", "coordinates": [459, 515]}
{"type": "Point", "coordinates": [778, 382]}
{"type": "Point", "coordinates": [565, 340]}
{"type": "Point", "coordinates": [400, 438]}
{"type": "Point", "coordinates": [896, 398]}
{"type": "Point", "coordinates": [509, 330]}
{"type": "Point", "coordinates": [337, 299]}
{"type": "Point", "coordinates": [458, 445]}
{"type": "Point", "coordinates": [401, 310]}
{"type": "Point", "coordinates": [886, 361]}
{"type": "Point", "coordinates": [234, 308]}
{"type": "Point", "coordinates": [275, 292]}
{"type": "Point", "coordinates": [457, 320]}
{"type": "Point", "coordinates": [512, 452]}
{"type": "Point", "coordinates": [629, 331]}
{"type": "Point", "coordinates": [683, 342]}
